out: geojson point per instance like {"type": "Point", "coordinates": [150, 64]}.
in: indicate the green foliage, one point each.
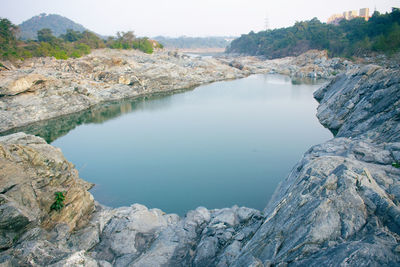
{"type": "Point", "coordinates": [83, 48]}
{"type": "Point", "coordinates": [71, 36]}
{"type": "Point", "coordinates": [8, 42]}
{"type": "Point", "coordinates": [45, 35]}
{"type": "Point", "coordinates": [396, 164]}
{"type": "Point", "coordinates": [71, 44]}
{"type": "Point", "coordinates": [193, 42]}
{"type": "Point", "coordinates": [127, 40]}
{"type": "Point", "coordinates": [355, 37]}
{"type": "Point", "coordinates": [59, 201]}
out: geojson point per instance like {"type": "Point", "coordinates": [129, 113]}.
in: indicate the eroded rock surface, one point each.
{"type": "Point", "coordinates": [82, 234]}
{"type": "Point", "coordinates": [45, 88]}
{"type": "Point", "coordinates": [365, 102]}
{"type": "Point", "coordinates": [339, 206]}
{"type": "Point", "coordinates": [312, 64]}
{"type": "Point", "coordinates": [31, 171]}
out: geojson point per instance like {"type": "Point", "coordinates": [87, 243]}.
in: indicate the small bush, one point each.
{"type": "Point", "coordinates": [59, 201]}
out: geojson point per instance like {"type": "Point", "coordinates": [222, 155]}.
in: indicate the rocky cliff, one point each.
{"type": "Point", "coordinates": [338, 206]}
{"type": "Point", "coordinates": [31, 172]}
{"type": "Point", "coordinates": [340, 203]}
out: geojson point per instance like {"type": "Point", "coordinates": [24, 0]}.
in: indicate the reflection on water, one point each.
{"type": "Point", "coordinates": [222, 144]}
{"type": "Point", "coordinates": [52, 129]}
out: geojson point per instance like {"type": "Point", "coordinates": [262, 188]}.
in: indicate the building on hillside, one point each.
{"type": "Point", "coordinates": [335, 18]}
{"type": "Point", "coordinates": [350, 14]}
{"type": "Point", "coordinates": [364, 12]}
{"type": "Point", "coordinates": [347, 15]}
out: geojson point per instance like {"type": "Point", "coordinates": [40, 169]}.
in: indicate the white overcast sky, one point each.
{"type": "Point", "coordinates": [191, 17]}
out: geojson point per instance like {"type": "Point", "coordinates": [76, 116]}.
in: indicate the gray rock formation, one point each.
{"type": "Point", "coordinates": [45, 88]}
{"type": "Point", "coordinates": [312, 64]}
{"type": "Point", "coordinates": [340, 203]}
{"type": "Point", "coordinates": [31, 171]}
{"type": "Point", "coordinates": [362, 103]}
{"type": "Point", "coordinates": [339, 206]}
{"type": "Point", "coordinates": [127, 236]}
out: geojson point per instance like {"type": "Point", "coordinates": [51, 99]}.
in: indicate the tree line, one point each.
{"type": "Point", "coordinates": [193, 42]}
{"type": "Point", "coordinates": [71, 44]}
{"type": "Point", "coordinates": [355, 37]}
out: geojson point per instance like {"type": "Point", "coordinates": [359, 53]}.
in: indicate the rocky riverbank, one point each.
{"type": "Point", "coordinates": [313, 64]}
{"type": "Point", "coordinates": [44, 88]}
{"type": "Point", "coordinates": [340, 205]}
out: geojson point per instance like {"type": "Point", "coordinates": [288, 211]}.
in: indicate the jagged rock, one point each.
{"type": "Point", "coordinates": [340, 205]}
{"type": "Point", "coordinates": [75, 260]}
{"type": "Point", "coordinates": [67, 86]}
{"type": "Point", "coordinates": [31, 172]}
{"type": "Point", "coordinates": [363, 102]}
{"type": "Point", "coordinates": [63, 87]}
{"type": "Point", "coordinates": [6, 65]}
{"type": "Point", "coordinates": [236, 64]}
{"type": "Point", "coordinates": [312, 64]}
{"type": "Point", "coordinates": [11, 85]}
{"type": "Point", "coordinates": [332, 205]}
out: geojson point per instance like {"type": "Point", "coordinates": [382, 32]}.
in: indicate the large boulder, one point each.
{"type": "Point", "coordinates": [338, 207]}
{"type": "Point", "coordinates": [31, 171]}
{"type": "Point", "coordinates": [10, 85]}
{"type": "Point", "coordinates": [363, 102]}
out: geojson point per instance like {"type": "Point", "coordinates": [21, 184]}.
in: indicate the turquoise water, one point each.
{"type": "Point", "coordinates": [219, 145]}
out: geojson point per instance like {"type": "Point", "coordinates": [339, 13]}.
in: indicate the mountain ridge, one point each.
{"type": "Point", "coordinates": [56, 23]}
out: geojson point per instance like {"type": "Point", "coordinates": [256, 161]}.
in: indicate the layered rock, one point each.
{"type": "Point", "coordinates": [15, 85]}
{"type": "Point", "coordinates": [81, 234]}
{"type": "Point", "coordinates": [45, 88]}
{"type": "Point", "coordinates": [312, 64]}
{"type": "Point", "coordinates": [31, 171]}
{"type": "Point", "coordinates": [362, 103]}
{"type": "Point", "coordinates": [340, 205]}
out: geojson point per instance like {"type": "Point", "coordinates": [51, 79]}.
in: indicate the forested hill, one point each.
{"type": "Point", "coordinates": [56, 23]}
{"type": "Point", "coordinates": [194, 42]}
{"type": "Point", "coordinates": [356, 37]}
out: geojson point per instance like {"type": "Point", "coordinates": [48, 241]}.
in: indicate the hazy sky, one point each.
{"type": "Point", "coordinates": [190, 17]}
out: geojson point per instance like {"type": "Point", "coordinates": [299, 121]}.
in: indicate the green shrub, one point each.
{"type": "Point", "coordinates": [71, 44]}
{"type": "Point", "coordinates": [59, 54]}
{"type": "Point", "coordinates": [83, 48]}
{"type": "Point", "coordinates": [59, 201]}
{"type": "Point", "coordinates": [75, 54]}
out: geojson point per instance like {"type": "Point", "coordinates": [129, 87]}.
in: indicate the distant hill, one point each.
{"type": "Point", "coordinates": [194, 42]}
{"type": "Point", "coordinates": [58, 25]}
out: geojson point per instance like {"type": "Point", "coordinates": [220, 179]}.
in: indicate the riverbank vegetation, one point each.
{"type": "Point", "coordinates": [356, 37]}
{"type": "Point", "coordinates": [71, 44]}
{"type": "Point", "coordinates": [186, 42]}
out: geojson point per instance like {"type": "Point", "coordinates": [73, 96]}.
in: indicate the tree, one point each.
{"type": "Point", "coordinates": [71, 36]}
{"type": "Point", "coordinates": [45, 35]}
{"type": "Point", "coordinates": [8, 42]}
{"type": "Point", "coordinates": [349, 38]}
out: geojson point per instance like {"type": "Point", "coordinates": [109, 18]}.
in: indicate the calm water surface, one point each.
{"type": "Point", "coordinates": [219, 145]}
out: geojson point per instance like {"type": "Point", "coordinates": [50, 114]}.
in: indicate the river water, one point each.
{"type": "Point", "coordinates": [223, 144]}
